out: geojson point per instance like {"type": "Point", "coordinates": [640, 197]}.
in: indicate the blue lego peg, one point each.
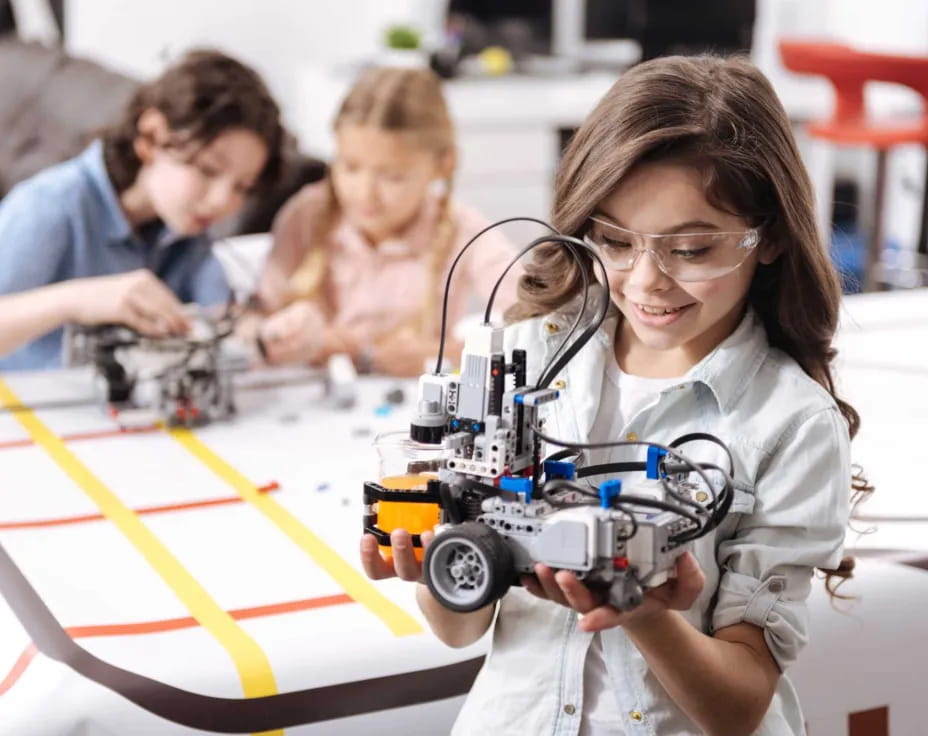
{"type": "Point", "coordinates": [608, 490]}
{"type": "Point", "coordinates": [560, 469]}
{"type": "Point", "coordinates": [654, 459]}
{"type": "Point", "coordinates": [517, 485]}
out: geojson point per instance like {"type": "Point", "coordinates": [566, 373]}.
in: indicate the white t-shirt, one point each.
{"type": "Point", "coordinates": [623, 396]}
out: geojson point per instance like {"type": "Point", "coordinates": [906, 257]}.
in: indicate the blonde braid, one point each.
{"type": "Point", "coordinates": [442, 246]}
{"type": "Point", "coordinates": [308, 281]}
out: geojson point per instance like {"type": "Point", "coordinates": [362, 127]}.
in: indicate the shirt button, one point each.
{"type": "Point", "coordinates": [570, 709]}
{"type": "Point", "coordinates": [551, 328]}
{"type": "Point", "coordinates": [560, 383]}
{"type": "Point", "coordinates": [632, 437]}
{"type": "Point", "coordinates": [636, 716]}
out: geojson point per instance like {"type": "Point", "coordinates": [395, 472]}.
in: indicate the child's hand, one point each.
{"type": "Point", "coordinates": [138, 299]}
{"type": "Point", "coordinates": [404, 565]}
{"type": "Point", "coordinates": [295, 334]}
{"type": "Point", "coordinates": [403, 352]}
{"type": "Point", "coordinates": [678, 593]}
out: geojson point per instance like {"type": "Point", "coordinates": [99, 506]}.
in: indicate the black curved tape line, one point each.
{"type": "Point", "coordinates": [229, 715]}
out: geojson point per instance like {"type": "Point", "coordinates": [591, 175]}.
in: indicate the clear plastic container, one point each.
{"type": "Point", "coordinates": [406, 465]}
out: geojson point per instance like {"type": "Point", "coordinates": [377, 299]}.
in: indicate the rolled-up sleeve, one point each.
{"type": "Point", "coordinates": [798, 523]}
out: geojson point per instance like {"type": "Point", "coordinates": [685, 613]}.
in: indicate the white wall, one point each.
{"type": "Point", "coordinates": [277, 37]}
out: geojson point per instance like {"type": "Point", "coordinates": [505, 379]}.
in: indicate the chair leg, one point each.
{"type": "Point", "coordinates": [873, 268]}
{"type": "Point", "coordinates": [921, 247]}
{"type": "Point", "coordinates": [821, 168]}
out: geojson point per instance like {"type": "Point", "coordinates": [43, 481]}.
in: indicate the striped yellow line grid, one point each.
{"type": "Point", "coordinates": [254, 669]}
{"type": "Point", "coordinates": [352, 582]}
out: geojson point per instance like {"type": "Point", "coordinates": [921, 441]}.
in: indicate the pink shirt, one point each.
{"type": "Point", "coordinates": [369, 290]}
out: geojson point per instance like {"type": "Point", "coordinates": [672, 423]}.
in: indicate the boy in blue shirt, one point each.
{"type": "Point", "coordinates": [118, 234]}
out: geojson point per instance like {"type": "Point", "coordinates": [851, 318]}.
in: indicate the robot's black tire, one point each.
{"type": "Point", "coordinates": [467, 567]}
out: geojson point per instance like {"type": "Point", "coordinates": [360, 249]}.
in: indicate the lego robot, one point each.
{"type": "Point", "coordinates": [503, 508]}
{"type": "Point", "coordinates": [181, 381]}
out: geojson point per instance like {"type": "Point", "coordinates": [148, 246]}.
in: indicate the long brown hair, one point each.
{"type": "Point", "coordinates": [202, 95]}
{"type": "Point", "coordinates": [394, 100]}
{"type": "Point", "coordinates": [722, 116]}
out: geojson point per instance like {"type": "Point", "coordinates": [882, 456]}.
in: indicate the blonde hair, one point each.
{"type": "Point", "coordinates": [394, 100]}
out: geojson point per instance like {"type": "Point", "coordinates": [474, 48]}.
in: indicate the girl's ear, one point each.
{"type": "Point", "coordinates": [447, 162]}
{"type": "Point", "coordinates": [768, 252]}
{"type": "Point", "coordinates": [152, 132]}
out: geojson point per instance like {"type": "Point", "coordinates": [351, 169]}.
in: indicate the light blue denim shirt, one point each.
{"type": "Point", "coordinates": [66, 223]}
{"type": "Point", "coordinates": [793, 478]}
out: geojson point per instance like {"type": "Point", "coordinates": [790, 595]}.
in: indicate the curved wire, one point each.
{"type": "Point", "coordinates": [703, 525]}
{"type": "Point", "coordinates": [454, 263]}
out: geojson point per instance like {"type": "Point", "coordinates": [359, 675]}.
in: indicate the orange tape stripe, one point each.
{"type": "Point", "coordinates": [171, 624]}
{"type": "Point", "coordinates": [21, 664]}
{"type": "Point", "coordinates": [78, 436]}
{"type": "Point", "coordinates": [66, 520]}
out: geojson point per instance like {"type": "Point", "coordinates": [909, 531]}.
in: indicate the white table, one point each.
{"type": "Point", "coordinates": [882, 369]}
{"type": "Point", "coordinates": [235, 610]}
{"type": "Point", "coordinates": [247, 609]}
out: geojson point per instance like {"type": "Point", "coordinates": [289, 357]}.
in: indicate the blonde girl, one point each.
{"type": "Point", "coordinates": [359, 260]}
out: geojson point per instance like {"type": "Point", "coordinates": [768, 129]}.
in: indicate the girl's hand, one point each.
{"type": "Point", "coordinates": [678, 593]}
{"type": "Point", "coordinates": [295, 334]}
{"type": "Point", "coordinates": [138, 299]}
{"type": "Point", "coordinates": [404, 565]}
{"type": "Point", "coordinates": [403, 352]}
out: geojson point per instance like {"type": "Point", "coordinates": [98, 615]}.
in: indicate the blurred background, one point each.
{"type": "Point", "coordinates": [522, 75]}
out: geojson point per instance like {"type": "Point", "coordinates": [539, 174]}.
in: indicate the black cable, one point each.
{"type": "Point", "coordinates": [454, 263]}
{"type": "Point", "coordinates": [694, 436]}
{"type": "Point", "coordinates": [531, 246]}
{"type": "Point", "coordinates": [604, 468]}
{"type": "Point", "coordinates": [557, 363]}
{"type": "Point", "coordinates": [621, 443]}
{"type": "Point", "coordinates": [703, 528]}
{"type": "Point", "coordinates": [561, 454]}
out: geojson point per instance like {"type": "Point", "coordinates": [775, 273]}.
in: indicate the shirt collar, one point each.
{"type": "Point", "coordinates": [726, 371]}
{"type": "Point", "coordinates": [113, 219]}
{"type": "Point", "coordinates": [730, 368]}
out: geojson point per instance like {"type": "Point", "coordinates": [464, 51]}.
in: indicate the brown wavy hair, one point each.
{"type": "Point", "coordinates": [394, 100]}
{"type": "Point", "coordinates": [202, 95]}
{"type": "Point", "coordinates": [722, 116]}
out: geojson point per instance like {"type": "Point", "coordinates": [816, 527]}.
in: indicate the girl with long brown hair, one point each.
{"type": "Point", "coordinates": [687, 183]}
{"type": "Point", "coordinates": [359, 260]}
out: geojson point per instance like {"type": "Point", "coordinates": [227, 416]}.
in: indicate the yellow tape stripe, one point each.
{"type": "Point", "coordinates": [253, 667]}
{"type": "Point", "coordinates": [354, 583]}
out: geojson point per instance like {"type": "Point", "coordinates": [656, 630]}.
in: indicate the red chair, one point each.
{"type": "Point", "coordinates": [849, 70]}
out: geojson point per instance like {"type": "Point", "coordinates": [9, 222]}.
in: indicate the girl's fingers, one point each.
{"type": "Point", "coordinates": [404, 559]}
{"type": "Point", "coordinates": [532, 586]}
{"type": "Point", "coordinates": [375, 566]}
{"type": "Point", "coordinates": [600, 618]}
{"type": "Point", "coordinates": [575, 593]}
{"type": "Point", "coordinates": [688, 583]}
{"type": "Point", "coordinates": [549, 586]}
